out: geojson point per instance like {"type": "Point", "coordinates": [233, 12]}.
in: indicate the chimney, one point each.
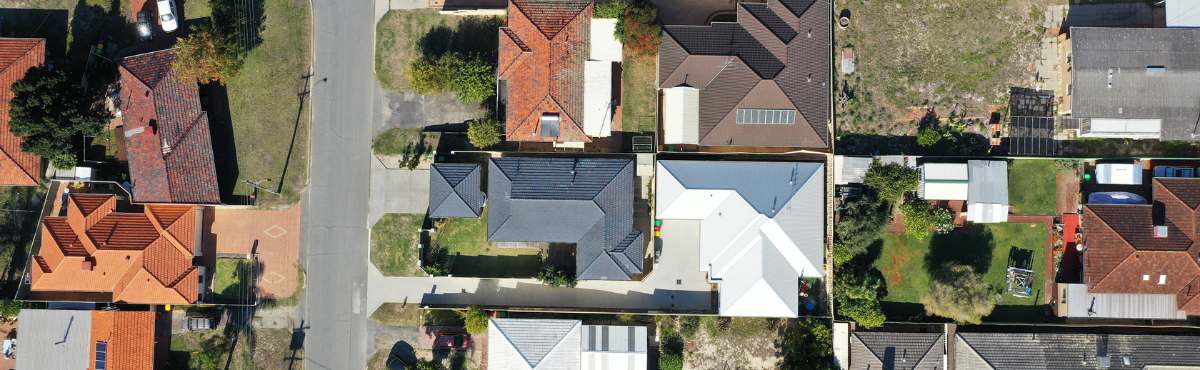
{"type": "Point", "coordinates": [1160, 231]}
{"type": "Point", "coordinates": [89, 264]}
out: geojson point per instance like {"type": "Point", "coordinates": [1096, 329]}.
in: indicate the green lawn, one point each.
{"type": "Point", "coordinates": [1031, 186]}
{"type": "Point", "coordinates": [905, 262]}
{"type": "Point", "coordinates": [402, 36]}
{"type": "Point", "coordinates": [394, 244]}
{"type": "Point", "coordinates": [231, 282]}
{"type": "Point", "coordinates": [639, 100]}
{"type": "Point", "coordinates": [270, 128]}
{"type": "Point", "coordinates": [472, 255]}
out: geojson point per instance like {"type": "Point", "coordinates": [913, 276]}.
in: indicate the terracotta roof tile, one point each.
{"type": "Point", "coordinates": [166, 133]}
{"type": "Point", "coordinates": [1125, 256]}
{"type": "Point", "coordinates": [135, 261]}
{"type": "Point", "coordinates": [128, 337]}
{"type": "Point", "coordinates": [17, 56]}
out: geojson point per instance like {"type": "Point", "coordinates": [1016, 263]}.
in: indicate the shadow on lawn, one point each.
{"type": "Point", "coordinates": [971, 245]}
{"type": "Point", "coordinates": [496, 266]}
{"type": "Point", "coordinates": [471, 36]}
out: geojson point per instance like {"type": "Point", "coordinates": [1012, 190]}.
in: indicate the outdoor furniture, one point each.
{"type": "Point", "coordinates": [1020, 273]}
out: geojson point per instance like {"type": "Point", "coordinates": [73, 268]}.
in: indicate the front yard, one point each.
{"type": "Point", "coordinates": [394, 244]}
{"type": "Point", "coordinates": [404, 36]}
{"type": "Point", "coordinates": [270, 349]}
{"type": "Point", "coordinates": [906, 262]}
{"type": "Point", "coordinates": [471, 254]}
{"type": "Point", "coordinates": [232, 283]}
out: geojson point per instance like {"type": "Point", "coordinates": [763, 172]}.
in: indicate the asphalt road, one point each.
{"type": "Point", "coordinates": [335, 218]}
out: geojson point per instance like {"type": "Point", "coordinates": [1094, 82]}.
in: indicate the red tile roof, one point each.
{"type": "Point", "coordinates": [1125, 256]}
{"type": "Point", "coordinates": [17, 56]}
{"type": "Point", "coordinates": [166, 133]}
{"type": "Point", "coordinates": [141, 258]}
{"type": "Point", "coordinates": [542, 52]}
{"type": "Point", "coordinates": [129, 336]}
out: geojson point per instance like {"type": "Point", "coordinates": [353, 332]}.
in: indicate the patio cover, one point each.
{"type": "Point", "coordinates": [944, 181]}
{"type": "Point", "coordinates": [681, 115]}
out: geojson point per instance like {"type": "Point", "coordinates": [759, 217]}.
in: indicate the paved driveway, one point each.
{"type": "Point", "coordinates": [397, 191]}
{"type": "Point", "coordinates": [274, 235]}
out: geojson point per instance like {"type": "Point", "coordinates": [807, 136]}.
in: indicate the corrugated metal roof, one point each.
{"type": "Point", "coordinates": [55, 339]}
{"type": "Point", "coordinates": [850, 170]}
{"type": "Point", "coordinates": [988, 182]}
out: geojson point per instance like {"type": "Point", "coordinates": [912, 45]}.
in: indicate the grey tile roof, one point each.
{"type": "Point", "coordinates": [541, 340]}
{"type": "Point", "coordinates": [586, 201]}
{"type": "Point", "coordinates": [454, 190]}
{"type": "Point", "coordinates": [898, 351]}
{"type": "Point", "coordinates": [1136, 91]}
{"type": "Point", "coordinates": [787, 41]}
{"type": "Point", "coordinates": [1073, 351]}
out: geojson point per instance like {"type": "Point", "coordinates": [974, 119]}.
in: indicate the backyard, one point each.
{"type": "Point", "coordinates": [906, 262]}
{"type": "Point", "coordinates": [639, 99]}
{"type": "Point", "coordinates": [394, 244]}
{"type": "Point", "coordinates": [471, 254]}
{"type": "Point", "coordinates": [1031, 186]}
{"type": "Point", "coordinates": [904, 64]}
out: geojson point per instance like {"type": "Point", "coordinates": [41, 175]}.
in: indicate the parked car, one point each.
{"type": "Point", "coordinates": [451, 340]}
{"type": "Point", "coordinates": [201, 322]}
{"type": "Point", "coordinates": [166, 15]}
{"type": "Point", "coordinates": [143, 25]}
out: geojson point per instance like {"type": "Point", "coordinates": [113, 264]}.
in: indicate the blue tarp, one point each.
{"type": "Point", "coordinates": [1115, 197]}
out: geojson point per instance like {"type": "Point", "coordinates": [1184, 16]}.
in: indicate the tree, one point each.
{"type": "Point", "coordinates": [9, 309]}
{"type": "Point", "coordinates": [860, 223]}
{"type": "Point", "coordinates": [639, 29]}
{"type": "Point", "coordinates": [51, 114]}
{"type": "Point", "coordinates": [866, 312]}
{"type": "Point", "coordinates": [473, 80]}
{"type": "Point", "coordinates": [928, 137]}
{"type": "Point", "coordinates": [555, 277]}
{"type": "Point", "coordinates": [920, 217]}
{"type": "Point", "coordinates": [670, 352]}
{"type": "Point", "coordinates": [202, 57]}
{"type": "Point", "coordinates": [437, 261]}
{"type": "Point", "coordinates": [959, 294]}
{"type": "Point", "coordinates": [484, 132]}
{"type": "Point", "coordinates": [807, 344]}
{"type": "Point", "coordinates": [428, 76]}
{"type": "Point", "coordinates": [610, 9]}
{"type": "Point", "coordinates": [891, 180]}
{"type": "Point", "coordinates": [475, 319]}
{"type": "Point", "coordinates": [858, 297]}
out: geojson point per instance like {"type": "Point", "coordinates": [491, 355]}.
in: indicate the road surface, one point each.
{"type": "Point", "coordinates": [335, 218]}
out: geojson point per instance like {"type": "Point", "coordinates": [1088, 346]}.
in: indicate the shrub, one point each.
{"type": "Point", "coordinates": [475, 319]}
{"type": "Point", "coordinates": [670, 352]}
{"type": "Point", "coordinates": [555, 277]}
{"type": "Point", "coordinates": [610, 9]}
{"type": "Point", "coordinates": [639, 29]}
{"type": "Point", "coordinates": [484, 132]}
{"type": "Point", "coordinates": [920, 217]}
{"type": "Point", "coordinates": [807, 345]}
{"type": "Point", "coordinates": [51, 113]}
{"type": "Point", "coordinates": [959, 294]}
{"type": "Point", "coordinates": [9, 309]}
{"type": "Point", "coordinates": [860, 224]}
{"type": "Point", "coordinates": [858, 297]}
{"type": "Point", "coordinates": [437, 261]}
{"type": "Point", "coordinates": [891, 180]}
{"type": "Point", "coordinates": [866, 312]}
{"type": "Point", "coordinates": [431, 76]}
{"type": "Point", "coordinates": [714, 325]}
{"type": "Point", "coordinates": [203, 57]}
{"type": "Point", "coordinates": [688, 325]}
{"type": "Point", "coordinates": [470, 78]}
{"type": "Point", "coordinates": [928, 137]}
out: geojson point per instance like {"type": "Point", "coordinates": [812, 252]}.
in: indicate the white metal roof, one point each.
{"type": "Point", "coordinates": [1119, 173]}
{"type": "Point", "coordinates": [1183, 13]}
{"type": "Point", "coordinates": [850, 170]}
{"type": "Point", "coordinates": [985, 213]}
{"type": "Point", "coordinates": [945, 171]}
{"type": "Point", "coordinates": [681, 115]}
{"type": "Point", "coordinates": [944, 181]}
{"type": "Point", "coordinates": [1123, 128]}
{"type": "Point", "coordinates": [607, 347]}
{"type": "Point", "coordinates": [54, 339]}
{"type": "Point", "coordinates": [598, 100]}
{"type": "Point", "coordinates": [1081, 303]}
{"type": "Point", "coordinates": [604, 44]}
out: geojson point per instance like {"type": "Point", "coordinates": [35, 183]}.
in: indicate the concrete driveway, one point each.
{"type": "Point", "coordinates": [397, 191]}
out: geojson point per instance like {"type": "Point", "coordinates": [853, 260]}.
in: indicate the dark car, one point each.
{"type": "Point", "coordinates": [451, 340]}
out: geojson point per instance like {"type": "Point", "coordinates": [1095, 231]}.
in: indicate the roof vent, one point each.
{"type": "Point", "coordinates": [1156, 69]}
{"type": "Point", "coordinates": [1110, 71]}
{"type": "Point", "coordinates": [1160, 231]}
{"type": "Point", "coordinates": [166, 148]}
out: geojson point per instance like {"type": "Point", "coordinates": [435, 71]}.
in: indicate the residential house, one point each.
{"type": "Point", "coordinates": [1134, 83]}
{"type": "Point", "coordinates": [17, 56]}
{"type": "Point", "coordinates": [166, 133]}
{"type": "Point", "coordinates": [899, 351]}
{"type": "Point", "coordinates": [763, 81]}
{"type": "Point", "coordinates": [1141, 260]}
{"type": "Point", "coordinates": [996, 351]}
{"type": "Point", "coordinates": [583, 201]}
{"type": "Point", "coordinates": [96, 252]}
{"type": "Point", "coordinates": [558, 72]}
{"type": "Point", "coordinates": [69, 339]}
{"type": "Point", "coordinates": [761, 228]}
{"type": "Point", "coordinates": [454, 190]}
{"type": "Point", "coordinates": [545, 344]}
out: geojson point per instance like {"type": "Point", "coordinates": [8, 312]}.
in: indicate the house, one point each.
{"type": "Point", "coordinates": [17, 56]}
{"type": "Point", "coordinates": [994, 351]}
{"type": "Point", "coordinates": [70, 339]}
{"type": "Point", "coordinates": [1134, 83]}
{"type": "Point", "coordinates": [763, 81]}
{"type": "Point", "coordinates": [583, 201]}
{"type": "Point", "coordinates": [166, 133]}
{"type": "Point", "coordinates": [1142, 253]}
{"type": "Point", "coordinates": [557, 72]}
{"type": "Point", "coordinates": [98, 252]}
{"type": "Point", "coordinates": [944, 181]}
{"type": "Point", "coordinates": [761, 228]}
{"type": "Point", "coordinates": [898, 351]}
{"type": "Point", "coordinates": [528, 344]}
{"type": "Point", "coordinates": [1182, 13]}
{"type": "Point", "coordinates": [454, 190]}
{"type": "Point", "coordinates": [987, 191]}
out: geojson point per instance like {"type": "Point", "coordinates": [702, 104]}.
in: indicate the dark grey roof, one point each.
{"type": "Point", "coordinates": [727, 39]}
{"type": "Point", "coordinates": [1137, 91]}
{"type": "Point", "coordinates": [454, 190]}
{"type": "Point", "coordinates": [898, 351]}
{"type": "Point", "coordinates": [771, 20]}
{"type": "Point", "coordinates": [1073, 351]}
{"type": "Point", "coordinates": [586, 201]}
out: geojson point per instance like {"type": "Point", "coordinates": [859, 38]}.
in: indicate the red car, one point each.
{"type": "Point", "coordinates": [451, 340]}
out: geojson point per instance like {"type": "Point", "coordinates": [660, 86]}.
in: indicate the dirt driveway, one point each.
{"type": "Point", "coordinates": [274, 235]}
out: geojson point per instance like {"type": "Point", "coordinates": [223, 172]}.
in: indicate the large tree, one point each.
{"type": "Point", "coordinates": [860, 223]}
{"type": "Point", "coordinates": [857, 292]}
{"type": "Point", "coordinates": [960, 294]}
{"type": "Point", "coordinates": [891, 180]}
{"type": "Point", "coordinates": [203, 57]}
{"type": "Point", "coordinates": [52, 114]}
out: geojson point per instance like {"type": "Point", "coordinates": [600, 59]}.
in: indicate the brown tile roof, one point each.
{"type": "Point", "coordinates": [128, 336]}
{"type": "Point", "coordinates": [17, 56]}
{"type": "Point", "coordinates": [777, 56]}
{"type": "Point", "coordinates": [542, 52]}
{"type": "Point", "coordinates": [166, 133]}
{"type": "Point", "coordinates": [141, 258]}
{"type": "Point", "coordinates": [1124, 255]}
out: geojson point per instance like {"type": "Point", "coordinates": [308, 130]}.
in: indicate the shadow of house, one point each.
{"type": "Point", "coordinates": [214, 99]}
{"type": "Point", "coordinates": [490, 295]}
{"type": "Point", "coordinates": [49, 24]}
{"type": "Point", "coordinates": [471, 36]}
{"type": "Point", "coordinates": [496, 266]}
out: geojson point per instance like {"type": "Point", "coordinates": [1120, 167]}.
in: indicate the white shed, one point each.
{"type": "Point", "coordinates": [681, 115]}
{"type": "Point", "coordinates": [1119, 173]}
{"type": "Point", "coordinates": [944, 181]}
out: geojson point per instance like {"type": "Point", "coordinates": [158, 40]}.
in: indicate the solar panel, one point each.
{"type": "Point", "coordinates": [754, 116]}
{"type": "Point", "coordinates": [101, 355]}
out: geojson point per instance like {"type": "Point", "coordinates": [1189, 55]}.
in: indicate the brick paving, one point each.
{"type": "Point", "coordinates": [273, 234]}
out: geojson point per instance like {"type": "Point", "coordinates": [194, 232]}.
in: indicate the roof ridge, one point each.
{"type": "Point", "coordinates": [26, 52]}
{"type": "Point", "coordinates": [1122, 238]}
{"type": "Point", "coordinates": [13, 159]}
{"type": "Point", "coordinates": [551, 350]}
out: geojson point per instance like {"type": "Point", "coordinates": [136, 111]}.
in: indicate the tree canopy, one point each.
{"type": "Point", "coordinates": [959, 294]}
{"type": "Point", "coordinates": [891, 180]}
{"type": "Point", "coordinates": [921, 219]}
{"type": "Point", "coordinates": [52, 114]}
{"type": "Point", "coordinates": [483, 132]}
{"type": "Point", "coordinates": [203, 57]}
{"type": "Point", "coordinates": [475, 319]}
{"type": "Point", "coordinates": [860, 223]}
